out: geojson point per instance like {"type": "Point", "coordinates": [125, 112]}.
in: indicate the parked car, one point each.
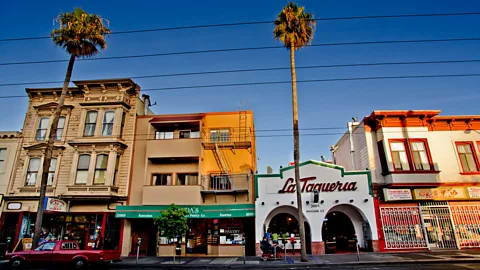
{"type": "Point", "coordinates": [58, 253]}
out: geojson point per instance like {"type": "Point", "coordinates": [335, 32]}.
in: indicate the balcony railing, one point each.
{"type": "Point", "coordinates": [226, 183]}
{"type": "Point", "coordinates": [227, 137]}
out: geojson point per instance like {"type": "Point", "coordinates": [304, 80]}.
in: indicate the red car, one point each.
{"type": "Point", "coordinates": [61, 253]}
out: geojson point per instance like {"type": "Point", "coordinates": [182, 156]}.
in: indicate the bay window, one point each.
{"type": "Point", "coordinates": [467, 157]}
{"type": "Point", "coordinates": [90, 123]}
{"type": "Point", "coordinates": [399, 156]}
{"type": "Point", "coordinates": [100, 169]}
{"type": "Point", "coordinates": [107, 125]}
{"type": "Point", "coordinates": [409, 155]}
{"type": "Point", "coordinates": [82, 170]}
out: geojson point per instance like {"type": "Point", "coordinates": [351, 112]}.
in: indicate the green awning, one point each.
{"type": "Point", "coordinates": [196, 211]}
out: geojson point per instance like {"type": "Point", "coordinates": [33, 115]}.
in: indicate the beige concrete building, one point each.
{"type": "Point", "coordinates": [204, 162]}
{"type": "Point", "coordinates": [90, 172]}
{"type": "Point", "coordinates": [9, 142]}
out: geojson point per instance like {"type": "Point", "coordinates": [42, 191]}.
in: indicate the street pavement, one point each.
{"type": "Point", "coordinates": [460, 259]}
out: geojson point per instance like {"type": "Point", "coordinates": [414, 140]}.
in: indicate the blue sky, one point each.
{"type": "Point", "coordinates": [326, 104]}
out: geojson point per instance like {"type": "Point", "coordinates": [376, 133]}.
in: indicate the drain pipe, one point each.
{"type": "Point", "coordinates": [352, 147]}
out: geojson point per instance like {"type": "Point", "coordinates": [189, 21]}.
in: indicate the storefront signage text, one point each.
{"type": "Point", "coordinates": [289, 186]}
{"type": "Point", "coordinates": [474, 192]}
{"type": "Point", "coordinates": [397, 194]}
{"type": "Point", "coordinates": [441, 193]}
{"type": "Point", "coordinates": [223, 211]}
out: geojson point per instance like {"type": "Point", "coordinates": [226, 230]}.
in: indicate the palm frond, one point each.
{"type": "Point", "coordinates": [294, 26]}
{"type": "Point", "coordinates": [80, 34]}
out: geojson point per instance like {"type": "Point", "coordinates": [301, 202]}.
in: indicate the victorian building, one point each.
{"type": "Point", "coordinates": [90, 171]}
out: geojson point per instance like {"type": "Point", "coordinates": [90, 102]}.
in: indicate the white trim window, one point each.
{"type": "Point", "coordinates": [100, 169]}
{"type": "Point", "coordinates": [82, 169]}
{"type": "Point", "coordinates": [220, 135]}
{"type": "Point", "coordinates": [32, 172]}
{"type": "Point", "coordinates": [107, 125]}
{"type": "Point", "coordinates": [163, 135]}
{"type": "Point", "coordinates": [399, 156]}
{"type": "Point", "coordinates": [42, 129]}
{"type": "Point", "coordinates": [3, 153]}
{"type": "Point", "coordinates": [51, 171]}
{"type": "Point", "coordinates": [90, 123]}
{"type": "Point", "coordinates": [60, 128]}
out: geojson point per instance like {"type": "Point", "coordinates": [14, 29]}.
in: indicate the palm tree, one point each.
{"type": "Point", "coordinates": [294, 28]}
{"type": "Point", "coordinates": [80, 34]}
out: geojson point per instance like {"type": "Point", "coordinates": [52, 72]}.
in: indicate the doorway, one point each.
{"type": "Point", "coordinates": [146, 230]}
{"type": "Point", "coordinates": [338, 233]}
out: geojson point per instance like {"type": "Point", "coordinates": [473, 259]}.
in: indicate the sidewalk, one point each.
{"type": "Point", "coordinates": [463, 256]}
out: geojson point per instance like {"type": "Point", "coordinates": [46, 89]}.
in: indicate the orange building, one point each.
{"type": "Point", "coordinates": [203, 162]}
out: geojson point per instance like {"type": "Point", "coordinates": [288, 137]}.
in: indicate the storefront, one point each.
{"type": "Point", "coordinates": [60, 223]}
{"type": "Point", "coordinates": [215, 230]}
{"type": "Point", "coordinates": [430, 218]}
{"type": "Point", "coordinates": [338, 208]}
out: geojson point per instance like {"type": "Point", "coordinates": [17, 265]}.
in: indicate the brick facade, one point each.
{"type": "Point", "coordinates": [318, 248]}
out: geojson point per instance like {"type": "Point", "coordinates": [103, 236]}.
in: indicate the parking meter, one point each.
{"type": "Point", "coordinates": [139, 242]}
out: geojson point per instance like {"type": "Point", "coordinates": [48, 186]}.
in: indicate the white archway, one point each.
{"type": "Point", "coordinates": [360, 222]}
{"type": "Point", "coordinates": [287, 209]}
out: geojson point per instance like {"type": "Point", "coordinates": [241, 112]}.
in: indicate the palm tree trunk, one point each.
{"type": "Point", "coordinates": [48, 153]}
{"type": "Point", "coordinates": [296, 155]}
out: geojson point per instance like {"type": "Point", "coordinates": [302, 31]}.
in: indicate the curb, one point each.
{"type": "Point", "coordinates": [293, 266]}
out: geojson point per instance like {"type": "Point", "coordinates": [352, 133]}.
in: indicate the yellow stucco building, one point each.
{"type": "Point", "coordinates": [204, 162]}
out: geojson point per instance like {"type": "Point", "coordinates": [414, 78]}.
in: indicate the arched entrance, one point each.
{"type": "Point", "coordinates": [342, 227]}
{"type": "Point", "coordinates": [284, 220]}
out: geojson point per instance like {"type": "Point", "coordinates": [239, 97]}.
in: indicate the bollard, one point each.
{"type": "Point", "coordinates": [358, 253]}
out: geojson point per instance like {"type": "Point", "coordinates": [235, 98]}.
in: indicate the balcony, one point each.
{"type": "Point", "coordinates": [165, 195]}
{"type": "Point", "coordinates": [227, 138]}
{"type": "Point", "coordinates": [84, 192]}
{"type": "Point", "coordinates": [225, 184]}
{"type": "Point", "coordinates": [169, 148]}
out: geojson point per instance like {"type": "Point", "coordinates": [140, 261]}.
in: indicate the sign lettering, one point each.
{"type": "Point", "coordinates": [290, 186]}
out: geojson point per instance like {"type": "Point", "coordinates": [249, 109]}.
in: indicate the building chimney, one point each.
{"type": "Point", "coordinates": [269, 169]}
{"type": "Point", "coordinates": [323, 158]}
{"type": "Point", "coordinates": [146, 103]}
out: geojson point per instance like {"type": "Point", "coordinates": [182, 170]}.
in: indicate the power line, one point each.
{"type": "Point", "coordinates": [270, 69]}
{"type": "Point", "coordinates": [314, 80]}
{"type": "Point", "coordinates": [299, 81]}
{"type": "Point", "coordinates": [140, 136]}
{"type": "Point", "coordinates": [244, 49]}
{"type": "Point", "coordinates": [259, 22]}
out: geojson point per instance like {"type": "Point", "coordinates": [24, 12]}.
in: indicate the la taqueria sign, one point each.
{"type": "Point", "coordinates": [308, 186]}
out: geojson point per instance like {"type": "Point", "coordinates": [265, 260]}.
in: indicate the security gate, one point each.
{"type": "Point", "coordinates": [402, 227]}
{"type": "Point", "coordinates": [467, 223]}
{"type": "Point", "coordinates": [438, 223]}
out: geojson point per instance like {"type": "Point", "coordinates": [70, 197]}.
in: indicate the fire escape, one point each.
{"type": "Point", "coordinates": [221, 142]}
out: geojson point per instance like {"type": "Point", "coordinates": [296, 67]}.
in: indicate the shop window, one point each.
{"type": "Point", "coordinates": [115, 175]}
{"type": "Point", "coordinates": [420, 156]}
{"type": "Point", "coordinates": [42, 129]}
{"type": "Point", "coordinates": [187, 179]}
{"type": "Point", "coordinates": [107, 126]}
{"type": "Point", "coordinates": [220, 135]}
{"type": "Point", "coordinates": [3, 152]}
{"type": "Point", "coordinates": [90, 123]}
{"type": "Point", "coordinates": [32, 172]}
{"type": "Point", "coordinates": [100, 169]}
{"type": "Point", "coordinates": [60, 128]}
{"type": "Point", "coordinates": [51, 171]}
{"type": "Point", "coordinates": [162, 179]}
{"type": "Point", "coordinates": [163, 135]}
{"type": "Point", "coordinates": [112, 233]}
{"type": "Point", "coordinates": [467, 157]}
{"type": "Point", "coordinates": [82, 170]}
